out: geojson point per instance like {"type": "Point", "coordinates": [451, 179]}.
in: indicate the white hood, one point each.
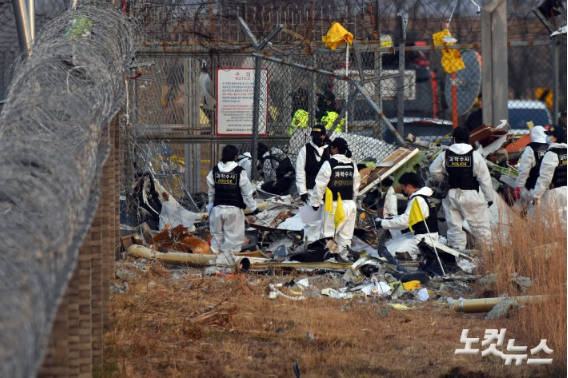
{"type": "Point", "coordinates": [227, 167]}
{"type": "Point", "coordinates": [538, 135]}
{"type": "Point", "coordinates": [341, 158]}
{"type": "Point", "coordinates": [425, 191]}
{"type": "Point", "coordinates": [461, 148]}
{"type": "Point", "coordinates": [557, 145]}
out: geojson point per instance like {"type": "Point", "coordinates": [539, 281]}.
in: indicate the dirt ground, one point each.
{"type": "Point", "coordinates": [180, 323]}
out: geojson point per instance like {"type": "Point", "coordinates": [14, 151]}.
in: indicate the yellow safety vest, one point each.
{"type": "Point", "coordinates": [300, 120]}
{"type": "Point", "coordinates": [329, 119]}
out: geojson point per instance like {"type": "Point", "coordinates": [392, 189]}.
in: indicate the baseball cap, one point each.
{"type": "Point", "coordinates": [318, 130]}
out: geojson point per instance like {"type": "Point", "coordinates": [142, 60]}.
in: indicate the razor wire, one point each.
{"type": "Point", "coordinates": [60, 101]}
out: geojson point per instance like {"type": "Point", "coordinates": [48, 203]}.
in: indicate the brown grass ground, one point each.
{"type": "Point", "coordinates": [218, 327]}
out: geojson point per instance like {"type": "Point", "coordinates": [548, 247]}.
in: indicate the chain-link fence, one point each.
{"type": "Point", "coordinates": [183, 109]}
{"type": "Point", "coordinates": [176, 100]}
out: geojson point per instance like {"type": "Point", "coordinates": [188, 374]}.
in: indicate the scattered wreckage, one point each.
{"type": "Point", "coordinates": [277, 238]}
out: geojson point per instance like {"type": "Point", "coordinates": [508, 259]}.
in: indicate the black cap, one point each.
{"type": "Point", "coordinates": [461, 135]}
{"type": "Point", "coordinates": [340, 144]}
{"type": "Point", "coordinates": [556, 131]}
{"type": "Point", "coordinates": [318, 130]}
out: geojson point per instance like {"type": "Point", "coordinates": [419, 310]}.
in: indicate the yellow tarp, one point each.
{"type": "Point", "coordinates": [337, 35]}
{"type": "Point", "coordinates": [451, 58]}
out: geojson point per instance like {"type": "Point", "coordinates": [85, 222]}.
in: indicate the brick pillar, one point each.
{"type": "Point", "coordinates": [76, 345]}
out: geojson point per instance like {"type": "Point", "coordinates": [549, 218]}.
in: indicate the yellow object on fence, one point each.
{"type": "Point", "coordinates": [451, 58]}
{"type": "Point", "coordinates": [337, 35]}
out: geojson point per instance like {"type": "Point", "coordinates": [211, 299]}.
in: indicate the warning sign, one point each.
{"type": "Point", "coordinates": [235, 91]}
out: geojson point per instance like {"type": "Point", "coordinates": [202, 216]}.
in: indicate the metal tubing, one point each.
{"type": "Point", "coordinates": [247, 32]}
{"type": "Point", "coordinates": [22, 24]}
{"type": "Point", "coordinates": [255, 117]}
{"type": "Point", "coordinates": [555, 80]}
{"type": "Point", "coordinates": [300, 66]}
{"type": "Point", "coordinates": [271, 35]}
{"type": "Point", "coordinates": [400, 91]}
{"type": "Point", "coordinates": [31, 15]}
{"type": "Point", "coordinates": [486, 304]}
{"type": "Point", "coordinates": [188, 48]}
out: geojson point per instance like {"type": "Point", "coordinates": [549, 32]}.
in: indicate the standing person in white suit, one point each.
{"type": "Point", "coordinates": [550, 188]}
{"type": "Point", "coordinates": [341, 176]}
{"type": "Point", "coordinates": [310, 159]}
{"type": "Point", "coordinates": [466, 172]}
{"type": "Point", "coordinates": [529, 165]}
{"type": "Point", "coordinates": [230, 192]}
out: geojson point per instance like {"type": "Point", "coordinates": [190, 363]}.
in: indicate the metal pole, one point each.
{"type": "Point", "coordinates": [255, 116]}
{"type": "Point", "coordinates": [22, 24]}
{"type": "Point", "coordinates": [402, 19]}
{"type": "Point", "coordinates": [400, 91]}
{"type": "Point", "coordinates": [555, 79]}
{"type": "Point", "coordinates": [31, 15]}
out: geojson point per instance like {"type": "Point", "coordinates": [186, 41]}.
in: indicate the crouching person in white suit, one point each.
{"type": "Point", "coordinates": [428, 228]}
{"type": "Point", "coordinates": [230, 192]}
{"type": "Point", "coordinates": [341, 176]}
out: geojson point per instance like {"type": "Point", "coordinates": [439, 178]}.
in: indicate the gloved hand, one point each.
{"type": "Point", "coordinates": [517, 193]}
{"type": "Point", "coordinates": [379, 222]}
{"type": "Point", "coordinates": [316, 208]}
{"type": "Point", "coordinates": [489, 204]}
{"type": "Point", "coordinates": [304, 197]}
{"type": "Point", "coordinates": [256, 211]}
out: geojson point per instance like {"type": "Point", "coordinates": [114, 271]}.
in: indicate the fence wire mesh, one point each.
{"type": "Point", "coordinates": [61, 100]}
{"type": "Point", "coordinates": [171, 105]}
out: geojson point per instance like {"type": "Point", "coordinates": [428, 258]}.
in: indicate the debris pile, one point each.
{"type": "Point", "coordinates": [279, 239]}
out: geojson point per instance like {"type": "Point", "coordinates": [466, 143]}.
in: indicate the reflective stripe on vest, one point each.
{"type": "Point", "coordinates": [341, 180]}
{"type": "Point", "coordinates": [227, 188]}
{"type": "Point", "coordinates": [460, 171]}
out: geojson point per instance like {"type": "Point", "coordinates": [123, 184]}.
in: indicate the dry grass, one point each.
{"type": "Point", "coordinates": [537, 250]}
{"type": "Point", "coordinates": [213, 327]}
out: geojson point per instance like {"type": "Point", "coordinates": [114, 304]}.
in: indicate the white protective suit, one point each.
{"type": "Point", "coordinates": [245, 161]}
{"type": "Point", "coordinates": [409, 242]}
{"type": "Point", "coordinates": [227, 223]}
{"type": "Point", "coordinates": [468, 205]}
{"type": "Point", "coordinates": [527, 160]}
{"type": "Point", "coordinates": [550, 198]}
{"type": "Point", "coordinates": [301, 166]}
{"type": "Point", "coordinates": [344, 232]}
{"type": "Point", "coordinates": [207, 92]}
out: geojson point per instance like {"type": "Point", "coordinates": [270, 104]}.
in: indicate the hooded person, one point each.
{"type": "Point", "coordinates": [245, 160]}
{"type": "Point", "coordinates": [340, 175]}
{"type": "Point", "coordinates": [310, 159]}
{"type": "Point", "coordinates": [230, 192]}
{"type": "Point", "coordinates": [529, 164]}
{"type": "Point", "coordinates": [277, 170]}
{"type": "Point", "coordinates": [428, 228]}
{"type": "Point", "coordinates": [550, 187]}
{"type": "Point", "coordinates": [467, 173]}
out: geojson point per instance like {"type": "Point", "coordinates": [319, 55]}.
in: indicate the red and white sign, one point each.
{"type": "Point", "coordinates": [235, 91]}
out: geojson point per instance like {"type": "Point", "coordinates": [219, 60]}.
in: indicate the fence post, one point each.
{"type": "Point", "coordinates": [258, 47]}
{"type": "Point", "coordinates": [402, 20]}
{"type": "Point", "coordinates": [555, 79]}
{"type": "Point", "coordinates": [255, 115]}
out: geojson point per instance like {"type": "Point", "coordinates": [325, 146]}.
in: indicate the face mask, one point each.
{"type": "Point", "coordinates": [317, 141]}
{"type": "Point", "coordinates": [548, 139]}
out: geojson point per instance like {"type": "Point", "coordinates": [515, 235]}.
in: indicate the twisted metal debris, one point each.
{"type": "Point", "coordinates": [60, 100]}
